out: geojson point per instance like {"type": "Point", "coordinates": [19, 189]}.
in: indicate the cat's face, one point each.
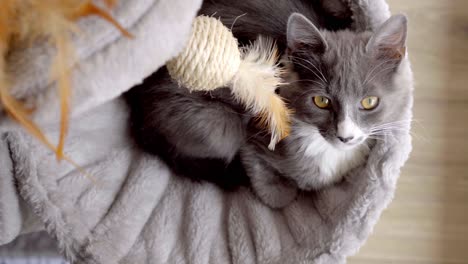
{"type": "Point", "coordinates": [345, 82]}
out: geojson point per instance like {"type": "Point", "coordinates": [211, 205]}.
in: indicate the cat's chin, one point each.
{"type": "Point", "coordinates": [346, 146]}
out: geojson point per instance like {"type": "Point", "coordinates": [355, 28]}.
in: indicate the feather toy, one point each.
{"type": "Point", "coordinates": [212, 59]}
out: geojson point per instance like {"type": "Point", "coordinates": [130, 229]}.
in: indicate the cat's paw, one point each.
{"type": "Point", "coordinates": [276, 195]}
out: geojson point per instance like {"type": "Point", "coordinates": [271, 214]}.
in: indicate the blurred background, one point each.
{"type": "Point", "coordinates": [427, 223]}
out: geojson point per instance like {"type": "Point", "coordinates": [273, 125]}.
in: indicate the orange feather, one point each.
{"type": "Point", "coordinates": [26, 20]}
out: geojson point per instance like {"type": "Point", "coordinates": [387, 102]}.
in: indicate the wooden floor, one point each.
{"type": "Point", "coordinates": [428, 221]}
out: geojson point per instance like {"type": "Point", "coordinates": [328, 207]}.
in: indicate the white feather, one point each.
{"type": "Point", "coordinates": [255, 83]}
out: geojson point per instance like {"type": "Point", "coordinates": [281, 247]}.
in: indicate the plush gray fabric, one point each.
{"type": "Point", "coordinates": [131, 209]}
{"type": "Point", "coordinates": [10, 215]}
{"type": "Point", "coordinates": [30, 246]}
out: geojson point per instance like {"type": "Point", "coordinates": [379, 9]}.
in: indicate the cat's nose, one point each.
{"type": "Point", "coordinates": [345, 140]}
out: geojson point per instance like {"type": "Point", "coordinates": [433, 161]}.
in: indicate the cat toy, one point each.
{"type": "Point", "coordinates": [212, 59]}
{"type": "Point", "coordinates": [53, 20]}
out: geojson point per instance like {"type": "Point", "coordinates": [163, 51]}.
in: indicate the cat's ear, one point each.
{"type": "Point", "coordinates": [389, 41]}
{"type": "Point", "coordinates": [302, 34]}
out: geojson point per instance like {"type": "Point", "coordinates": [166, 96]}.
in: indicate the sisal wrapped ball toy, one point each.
{"type": "Point", "coordinates": [212, 59]}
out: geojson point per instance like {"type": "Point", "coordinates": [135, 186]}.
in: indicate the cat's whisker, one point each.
{"type": "Point", "coordinates": [256, 135]}
{"type": "Point", "coordinates": [402, 120]}
{"type": "Point", "coordinates": [308, 80]}
{"type": "Point", "coordinates": [371, 72]}
{"type": "Point", "coordinates": [306, 91]}
{"type": "Point", "coordinates": [322, 77]}
{"type": "Point", "coordinates": [391, 126]}
{"type": "Point", "coordinates": [366, 80]}
{"type": "Point", "coordinates": [376, 138]}
{"type": "Point", "coordinates": [387, 132]}
{"type": "Point", "coordinates": [235, 20]}
{"type": "Point", "coordinates": [382, 132]}
{"type": "Point", "coordinates": [306, 67]}
{"type": "Point", "coordinates": [394, 130]}
{"type": "Point", "coordinates": [382, 71]}
{"type": "Point", "coordinates": [380, 136]}
{"type": "Point", "coordinates": [423, 133]}
{"type": "Point", "coordinates": [420, 137]}
{"type": "Point", "coordinates": [312, 71]}
{"type": "Point", "coordinates": [390, 129]}
{"type": "Point", "coordinates": [413, 134]}
{"type": "Point", "coordinates": [419, 122]}
{"type": "Point", "coordinates": [300, 96]}
{"type": "Point", "coordinates": [313, 65]}
{"type": "Point", "coordinates": [392, 133]}
{"type": "Point", "coordinates": [401, 123]}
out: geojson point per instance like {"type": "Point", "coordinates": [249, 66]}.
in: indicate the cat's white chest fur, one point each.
{"type": "Point", "coordinates": [333, 162]}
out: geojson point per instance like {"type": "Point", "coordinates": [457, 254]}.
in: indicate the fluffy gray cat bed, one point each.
{"type": "Point", "coordinates": [137, 212]}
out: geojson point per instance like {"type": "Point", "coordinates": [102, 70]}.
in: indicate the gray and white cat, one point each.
{"type": "Point", "coordinates": [343, 93]}
{"type": "Point", "coordinates": [335, 75]}
{"type": "Point", "coordinates": [197, 134]}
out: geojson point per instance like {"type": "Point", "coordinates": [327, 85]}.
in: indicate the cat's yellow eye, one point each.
{"type": "Point", "coordinates": [370, 102]}
{"type": "Point", "coordinates": [321, 102]}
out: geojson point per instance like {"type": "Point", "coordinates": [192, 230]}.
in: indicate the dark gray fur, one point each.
{"type": "Point", "coordinates": [197, 134]}
{"type": "Point", "coordinates": [250, 18]}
